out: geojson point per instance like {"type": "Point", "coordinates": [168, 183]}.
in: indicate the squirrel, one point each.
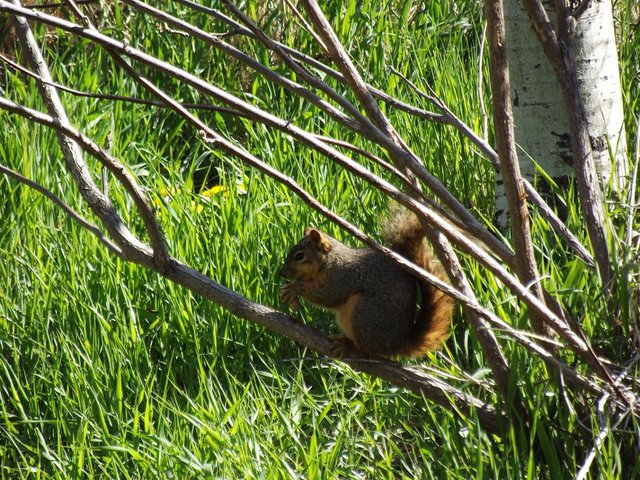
{"type": "Point", "coordinates": [374, 300]}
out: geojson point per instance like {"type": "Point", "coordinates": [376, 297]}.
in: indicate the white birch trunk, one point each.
{"type": "Point", "coordinates": [539, 109]}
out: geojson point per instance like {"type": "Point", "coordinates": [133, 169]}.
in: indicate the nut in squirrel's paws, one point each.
{"type": "Point", "coordinates": [289, 295]}
{"type": "Point", "coordinates": [341, 347]}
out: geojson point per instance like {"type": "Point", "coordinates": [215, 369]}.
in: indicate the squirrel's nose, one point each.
{"type": "Point", "coordinates": [285, 272]}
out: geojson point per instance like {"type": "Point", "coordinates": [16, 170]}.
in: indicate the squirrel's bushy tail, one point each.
{"type": "Point", "coordinates": [404, 234]}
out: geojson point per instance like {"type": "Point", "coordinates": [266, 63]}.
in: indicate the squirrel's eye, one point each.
{"type": "Point", "coordinates": [299, 256]}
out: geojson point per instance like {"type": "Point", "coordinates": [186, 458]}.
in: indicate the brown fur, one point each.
{"type": "Point", "coordinates": [404, 234]}
{"type": "Point", "coordinates": [374, 300]}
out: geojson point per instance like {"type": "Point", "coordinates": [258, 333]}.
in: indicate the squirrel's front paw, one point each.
{"type": "Point", "coordinates": [289, 295]}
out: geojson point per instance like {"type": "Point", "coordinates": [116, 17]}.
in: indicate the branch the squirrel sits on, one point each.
{"type": "Point", "coordinates": [374, 300]}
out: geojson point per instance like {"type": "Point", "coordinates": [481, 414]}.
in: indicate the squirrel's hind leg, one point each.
{"type": "Point", "coordinates": [342, 347]}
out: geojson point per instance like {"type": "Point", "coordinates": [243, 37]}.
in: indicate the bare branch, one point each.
{"type": "Point", "coordinates": [247, 109]}
{"type": "Point", "coordinates": [384, 136]}
{"type": "Point", "coordinates": [467, 297]}
{"type": "Point", "coordinates": [368, 128]}
{"type": "Point", "coordinates": [285, 325]}
{"type": "Point", "coordinates": [437, 391]}
{"type": "Point", "coordinates": [446, 117]}
{"type": "Point", "coordinates": [40, 118]}
{"type": "Point", "coordinates": [461, 240]}
{"type": "Point", "coordinates": [100, 204]}
{"type": "Point", "coordinates": [526, 267]}
{"type": "Point", "coordinates": [317, 65]}
{"type": "Point", "coordinates": [557, 225]}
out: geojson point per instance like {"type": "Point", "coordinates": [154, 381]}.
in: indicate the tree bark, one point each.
{"type": "Point", "coordinates": [542, 121]}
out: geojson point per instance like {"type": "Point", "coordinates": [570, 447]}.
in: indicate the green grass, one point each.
{"type": "Point", "coordinates": [107, 370]}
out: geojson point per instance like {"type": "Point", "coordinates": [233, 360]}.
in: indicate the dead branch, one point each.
{"type": "Point", "coordinates": [509, 165]}
{"type": "Point", "coordinates": [461, 240]}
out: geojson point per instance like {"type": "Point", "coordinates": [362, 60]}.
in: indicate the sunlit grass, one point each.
{"type": "Point", "coordinates": [108, 371]}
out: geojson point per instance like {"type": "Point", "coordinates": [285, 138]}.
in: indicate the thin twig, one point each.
{"type": "Point", "coordinates": [269, 74]}
{"type": "Point", "coordinates": [306, 25]}
{"type": "Point", "coordinates": [99, 234]}
{"type": "Point", "coordinates": [364, 153]}
{"type": "Point", "coordinates": [120, 98]}
{"type": "Point", "coordinates": [132, 248]}
{"type": "Point", "coordinates": [313, 63]}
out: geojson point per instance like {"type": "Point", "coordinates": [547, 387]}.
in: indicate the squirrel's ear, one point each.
{"type": "Point", "coordinates": [319, 239]}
